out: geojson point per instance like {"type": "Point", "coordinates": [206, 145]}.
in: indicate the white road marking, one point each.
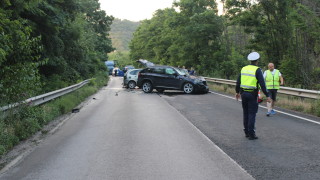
{"type": "Point", "coordinates": [299, 117]}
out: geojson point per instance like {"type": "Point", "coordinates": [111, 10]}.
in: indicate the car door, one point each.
{"type": "Point", "coordinates": [158, 76]}
{"type": "Point", "coordinates": [171, 79]}
{"type": "Point", "coordinates": [133, 75]}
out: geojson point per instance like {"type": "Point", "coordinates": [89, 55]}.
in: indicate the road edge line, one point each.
{"type": "Point", "coordinates": [288, 114]}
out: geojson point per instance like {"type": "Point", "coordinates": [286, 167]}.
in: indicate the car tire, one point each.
{"type": "Point", "coordinates": [132, 84]}
{"type": "Point", "coordinates": [147, 87]}
{"type": "Point", "coordinates": [160, 90]}
{"type": "Point", "coordinates": [188, 88]}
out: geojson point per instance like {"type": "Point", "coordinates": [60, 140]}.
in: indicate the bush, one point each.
{"type": "Point", "coordinates": [7, 138]}
{"type": "Point", "coordinates": [315, 109]}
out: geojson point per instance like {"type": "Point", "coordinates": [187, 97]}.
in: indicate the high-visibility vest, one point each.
{"type": "Point", "coordinates": [273, 81]}
{"type": "Point", "coordinates": [248, 77]}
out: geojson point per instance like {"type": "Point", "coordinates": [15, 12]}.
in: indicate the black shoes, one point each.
{"type": "Point", "coordinates": [253, 137]}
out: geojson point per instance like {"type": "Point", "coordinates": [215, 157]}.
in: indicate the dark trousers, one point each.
{"type": "Point", "coordinates": [250, 109]}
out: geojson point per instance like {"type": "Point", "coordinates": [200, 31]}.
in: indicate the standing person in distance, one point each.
{"type": "Point", "coordinates": [274, 80]}
{"type": "Point", "coordinates": [192, 72]}
{"type": "Point", "coordinates": [247, 87]}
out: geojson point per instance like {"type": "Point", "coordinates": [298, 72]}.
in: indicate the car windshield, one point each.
{"type": "Point", "coordinates": [182, 71]}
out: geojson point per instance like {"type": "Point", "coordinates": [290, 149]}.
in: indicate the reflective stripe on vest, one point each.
{"type": "Point", "coordinates": [272, 81]}
{"type": "Point", "coordinates": [248, 77]}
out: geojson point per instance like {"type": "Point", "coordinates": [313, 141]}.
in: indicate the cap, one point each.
{"type": "Point", "coordinates": [253, 56]}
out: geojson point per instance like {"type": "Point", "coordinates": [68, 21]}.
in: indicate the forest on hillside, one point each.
{"type": "Point", "coordinates": [192, 34]}
{"type": "Point", "coordinates": [121, 33]}
{"type": "Point", "coordinates": [50, 44]}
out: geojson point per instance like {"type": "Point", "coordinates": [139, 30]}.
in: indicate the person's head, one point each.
{"type": "Point", "coordinates": [253, 58]}
{"type": "Point", "coordinates": [271, 66]}
{"type": "Point", "coordinates": [254, 62]}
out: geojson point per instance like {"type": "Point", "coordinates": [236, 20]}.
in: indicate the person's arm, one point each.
{"type": "Point", "coordinates": [238, 84]}
{"type": "Point", "coordinates": [261, 81]}
{"type": "Point", "coordinates": [281, 79]}
{"type": "Point", "coordinates": [238, 88]}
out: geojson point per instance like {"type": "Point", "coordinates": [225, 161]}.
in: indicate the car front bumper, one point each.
{"type": "Point", "coordinates": [201, 88]}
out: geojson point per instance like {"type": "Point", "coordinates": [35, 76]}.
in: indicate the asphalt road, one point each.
{"type": "Point", "coordinates": [287, 148]}
{"type": "Point", "coordinates": [127, 134]}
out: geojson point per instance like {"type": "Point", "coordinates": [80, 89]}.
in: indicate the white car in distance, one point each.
{"type": "Point", "coordinates": [130, 78]}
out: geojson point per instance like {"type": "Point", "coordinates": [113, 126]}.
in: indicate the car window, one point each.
{"type": "Point", "coordinates": [148, 70]}
{"type": "Point", "coordinates": [182, 72]}
{"type": "Point", "coordinates": [134, 72]}
{"type": "Point", "coordinates": [170, 71]}
{"type": "Point", "coordinates": [158, 70]}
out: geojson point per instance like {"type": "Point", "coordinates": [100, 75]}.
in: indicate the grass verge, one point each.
{"type": "Point", "coordinates": [304, 105]}
{"type": "Point", "coordinates": [22, 122]}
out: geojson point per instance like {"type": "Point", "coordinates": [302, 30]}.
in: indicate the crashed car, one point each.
{"type": "Point", "coordinates": [130, 78]}
{"type": "Point", "coordinates": [164, 78]}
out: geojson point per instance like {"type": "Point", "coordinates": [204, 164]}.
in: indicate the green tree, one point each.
{"type": "Point", "coordinates": [186, 38]}
{"type": "Point", "coordinates": [19, 55]}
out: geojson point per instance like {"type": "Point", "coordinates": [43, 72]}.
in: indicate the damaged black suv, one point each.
{"type": "Point", "coordinates": [170, 78]}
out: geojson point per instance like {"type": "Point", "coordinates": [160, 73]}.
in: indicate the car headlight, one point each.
{"type": "Point", "coordinates": [199, 80]}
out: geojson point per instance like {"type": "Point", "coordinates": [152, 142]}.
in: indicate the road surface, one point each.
{"type": "Point", "coordinates": [126, 134]}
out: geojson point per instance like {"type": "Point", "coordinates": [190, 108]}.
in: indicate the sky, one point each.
{"type": "Point", "coordinates": [133, 10]}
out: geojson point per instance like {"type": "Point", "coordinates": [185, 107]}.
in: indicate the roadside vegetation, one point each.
{"type": "Point", "coordinates": [303, 105]}
{"type": "Point", "coordinates": [50, 44]}
{"type": "Point", "coordinates": [22, 122]}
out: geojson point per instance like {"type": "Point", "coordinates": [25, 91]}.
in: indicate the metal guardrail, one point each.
{"type": "Point", "coordinates": [47, 97]}
{"type": "Point", "coordinates": [283, 90]}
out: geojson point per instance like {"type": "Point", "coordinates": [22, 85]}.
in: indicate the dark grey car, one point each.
{"type": "Point", "coordinates": [170, 78]}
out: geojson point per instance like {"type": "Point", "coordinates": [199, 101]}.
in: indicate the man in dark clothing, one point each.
{"type": "Point", "coordinates": [247, 87]}
{"type": "Point", "coordinates": [115, 72]}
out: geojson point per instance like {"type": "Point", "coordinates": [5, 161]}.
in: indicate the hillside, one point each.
{"type": "Point", "coordinates": [122, 32]}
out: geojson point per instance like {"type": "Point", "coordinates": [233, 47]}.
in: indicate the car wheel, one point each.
{"type": "Point", "coordinates": [147, 87]}
{"type": "Point", "coordinates": [188, 88]}
{"type": "Point", "coordinates": [132, 84]}
{"type": "Point", "coordinates": [160, 90]}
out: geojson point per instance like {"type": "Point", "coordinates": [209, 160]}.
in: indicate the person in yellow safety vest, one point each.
{"type": "Point", "coordinates": [273, 80]}
{"type": "Point", "coordinates": [247, 87]}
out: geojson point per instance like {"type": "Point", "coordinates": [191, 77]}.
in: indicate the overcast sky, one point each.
{"type": "Point", "coordinates": [133, 10]}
